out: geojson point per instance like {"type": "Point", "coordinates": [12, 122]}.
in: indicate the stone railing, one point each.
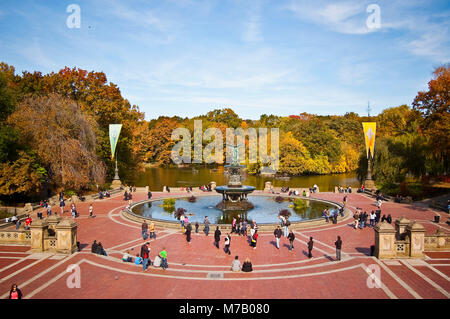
{"type": "Point", "coordinates": [439, 240]}
{"type": "Point", "coordinates": [16, 237]}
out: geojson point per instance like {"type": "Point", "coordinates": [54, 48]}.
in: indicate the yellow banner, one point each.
{"type": "Point", "coordinates": [370, 129]}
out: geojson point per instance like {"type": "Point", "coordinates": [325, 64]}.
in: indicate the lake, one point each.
{"type": "Point", "coordinates": [157, 177]}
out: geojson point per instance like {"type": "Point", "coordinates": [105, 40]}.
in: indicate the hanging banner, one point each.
{"type": "Point", "coordinates": [370, 129]}
{"type": "Point", "coordinates": [114, 131]}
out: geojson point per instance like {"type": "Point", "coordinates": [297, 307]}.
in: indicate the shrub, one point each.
{"type": "Point", "coordinates": [192, 199]}
{"type": "Point", "coordinates": [279, 199]}
{"type": "Point", "coordinates": [299, 203]}
{"type": "Point", "coordinates": [168, 202]}
{"type": "Point", "coordinates": [285, 213]}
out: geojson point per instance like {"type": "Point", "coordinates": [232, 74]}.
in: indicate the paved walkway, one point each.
{"type": "Point", "coordinates": [200, 270]}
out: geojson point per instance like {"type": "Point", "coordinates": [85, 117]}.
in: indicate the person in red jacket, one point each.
{"type": "Point", "coordinates": [28, 222]}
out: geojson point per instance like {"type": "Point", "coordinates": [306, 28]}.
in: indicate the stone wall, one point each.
{"type": "Point", "coordinates": [15, 237]}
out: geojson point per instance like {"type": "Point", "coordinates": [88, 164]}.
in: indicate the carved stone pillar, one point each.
{"type": "Point", "coordinates": [38, 229]}
{"type": "Point", "coordinates": [416, 233]}
{"type": "Point", "coordinates": [385, 241]}
{"type": "Point", "coordinates": [66, 235]}
{"type": "Point", "coordinates": [400, 227]}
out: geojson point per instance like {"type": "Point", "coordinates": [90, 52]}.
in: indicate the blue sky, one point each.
{"type": "Point", "coordinates": [186, 57]}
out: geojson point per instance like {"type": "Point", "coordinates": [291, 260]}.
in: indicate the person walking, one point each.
{"type": "Point", "coordinates": [15, 292]}
{"type": "Point", "coordinates": [345, 200]}
{"type": "Point", "coordinates": [49, 210]}
{"type": "Point", "coordinates": [277, 234]}
{"type": "Point", "coordinates": [145, 253]}
{"type": "Point", "coordinates": [255, 239]}
{"type": "Point", "coordinates": [91, 211]}
{"type": "Point", "coordinates": [310, 247]}
{"type": "Point", "coordinates": [338, 244]}
{"type": "Point", "coordinates": [291, 238]}
{"type": "Point", "coordinates": [144, 230]}
{"type": "Point", "coordinates": [287, 223]}
{"type": "Point", "coordinates": [244, 228]}
{"type": "Point", "coordinates": [217, 234]}
{"type": "Point", "coordinates": [233, 225]}
{"type": "Point", "coordinates": [196, 227]}
{"type": "Point", "coordinates": [206, 223]}
{"type": "Point", "coordinates": [188, 232]}
{"type": "Point", "coordinates": [149, 195]}
{"type": "Point", "coordinates": [252, 228]}
{"type": "Point", "coordinates": [356, 218]}
{"type": "Point", "coordinates": [227, 244]}
{"type": "Point", "coordinates": [152, 230]}
{"type": "Point", "coordinates": [61, 205]}
{"type": "Point", "coordinates": [372, 219]}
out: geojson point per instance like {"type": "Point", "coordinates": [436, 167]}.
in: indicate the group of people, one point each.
{"type": "Point", "coordinates": [332, 215]}
{"type": "Point", "coordinates": [347, 189]}
{"type": "Point", "coordinates": [374, 218]}
{"type": "Point", "coordinates": [103, 194]}
{"type": "Point", "coordinates": [160, 260]}
{"type": "Point", "coordinates": [97, 248]}
{"type": "Point", "coordinates": [206, 188]}
{"type": "Point", "coordinates": [146, 229]}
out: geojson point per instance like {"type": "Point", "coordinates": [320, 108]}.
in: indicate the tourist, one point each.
{"type": "Point", "coordinates": [244, 228]}
{"type": "Point", "coordinates": [145, 254]}
{"type": "Point", "coordinates": [325, 214]}
{"type": "Point", "coordinates": [236, 264]}
{"type": "Point", "coordinates": [28, 222]}
{"type": "Point", "coordinates": [310, 247]}
{"type": "Point", "coordinates": [13, 219]}
{"type": "Point", "coordinates": [227, 244]}
{"type": "Point", "coordinates": [125, 196]}
{"type": "Point", "coordinates": [291, 238]}
{"type": "Point", "coordinates": [338, 244]}
{"type": "Point", "coordinates": [61, 205]}
{"type": "Point", "coordinates": [377, 215]}
{"type": "Point", "coordinates": [345, 200]}
{"type": "Point", "coordinates": [255, 239]}
{"type": "Point", "coordinates": [137, 260]}
{"type": "Point", "coordinates": [238, 225]}
{"type": "Point", "coordinates": [127, 257]}
{"type": "Point", "coordinates": [196, 227]}
{"type": "Point", "coordinates": [372, 219]}
{"type": "Point", "coordinates": [252, 228]}
{"type": "Point", "coordinates": [233, 225]}
{"type": "Point", "coordinates": [100, 250]}
{"type": "Point", "coordinates": [49, 210]}
{"type": "Point", "coordinates": [335, 216]}
{"type": "Point", "coordinates": [152, 230]}
{"type": "Point", "coordinates": [144, 230]}
{"type": "Point", "coordinates": [304, 193]}
{"type": "Point", "coordinates": [206, 223]}
{"type": "Point", "coordinates": [362, 220]}
{"type": "Point", "coordinates": [163, 255]}
{"type": "Point", "coordinates": [182, 219]}
{"type": "Point", "coordinates": [389, 219]}
{"type": "Point", "coordinates": [168, 189]}
{"type": "Point", "coordinates": [247, 265]}
{"type": "Point", "coordinates": [378, 203]}
{"type": "Point", "coordinates": [383, 218]}
{"type": "Point", "coordinates": [186, 220]}
{"type": "Point", "coordinates": [91, 211]}
{"type": "Point", "coordinates": [149, 195]}
{"type": "Point", "coordinates": [217, 234]}
{"type": "Point", "coordinates": [287, 223]}
{"type": "Point", "coordinates": [188, 232]}
{"type": "Point", "coordinates": [15, 292]}
{"type": "Point", "coordinates": [277, 234]}
{"type": "Point", "coordinates": [94, 247]}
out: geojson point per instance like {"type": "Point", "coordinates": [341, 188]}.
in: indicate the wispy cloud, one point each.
{"type": "Point", "coordinates": [252, 27]}
{"type": "Point", "coordinates": [342, 17]}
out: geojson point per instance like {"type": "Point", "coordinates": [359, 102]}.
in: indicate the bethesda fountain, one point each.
{"type": "Point", "coordinates": [234, 194]}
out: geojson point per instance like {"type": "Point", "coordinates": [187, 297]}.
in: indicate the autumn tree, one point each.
{"type": "Point", "coordinates": [63, 139]}
{"type": "Point", "coordinates": [434, 106]}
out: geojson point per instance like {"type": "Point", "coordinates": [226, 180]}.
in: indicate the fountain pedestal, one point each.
{"type": "Point", "coordinates": [234, 195]}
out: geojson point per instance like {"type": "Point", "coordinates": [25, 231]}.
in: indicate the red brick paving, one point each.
{"type": "Point", "coordinates": [278, 274]}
